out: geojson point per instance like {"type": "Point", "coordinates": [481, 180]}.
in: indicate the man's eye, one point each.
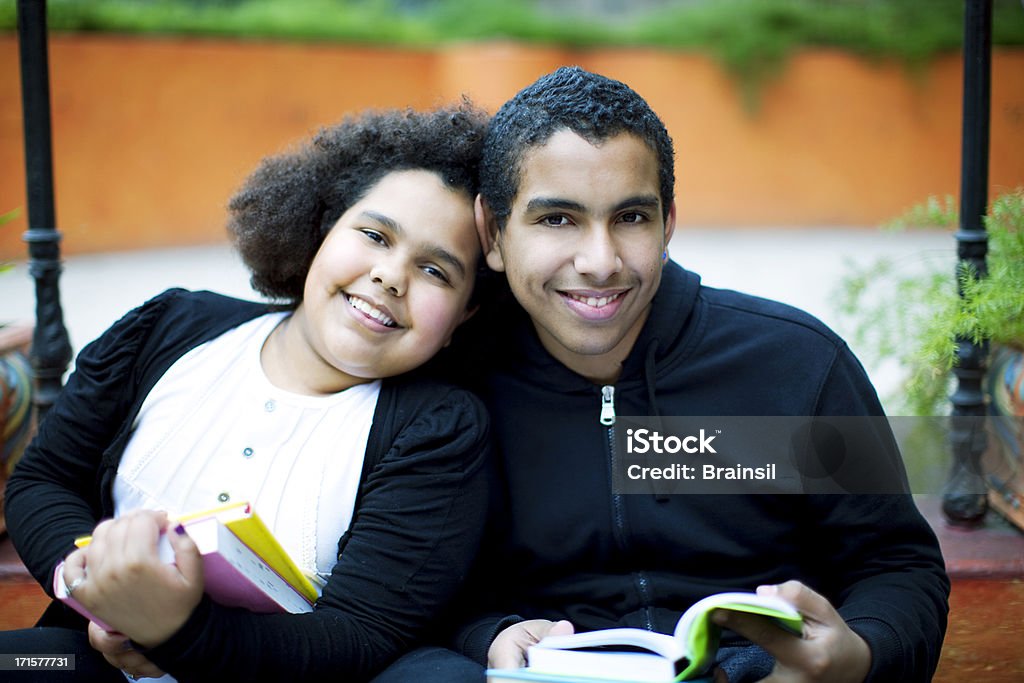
{"type": "Point", "coordinates": [555, 221]}
{"type": "Point", "coordinates": [633, 217]}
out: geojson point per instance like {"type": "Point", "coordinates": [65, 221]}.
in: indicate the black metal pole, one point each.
{"type": "Point", "coordinates": [51, 349]}
{"type": "Point", "coordinates": [964, 500]}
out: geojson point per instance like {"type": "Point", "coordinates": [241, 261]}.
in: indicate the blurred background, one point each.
{"type": "Point", "coordinates": [800, 125]}
{"type": "Point", "coordinates": [784, 112]}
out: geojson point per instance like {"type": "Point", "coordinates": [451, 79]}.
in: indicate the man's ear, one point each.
{"type": "Point", "coordinates": [490, 237]}
{"type": "Point", "coordinates": [670, 222]}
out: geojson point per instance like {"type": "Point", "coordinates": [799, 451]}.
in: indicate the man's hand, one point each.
{"type": "Point", "coordinates": [508, 651]}
{"type": "Point", "coordinates": [127, 585]}
{"type": "Point", "coordinates": [117, 650]}
{"type": "Point", "coordinates": [829, 650]}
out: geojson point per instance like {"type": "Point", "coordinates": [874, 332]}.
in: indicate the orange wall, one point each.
{"type": "Point", "coordinates": [151, 136]}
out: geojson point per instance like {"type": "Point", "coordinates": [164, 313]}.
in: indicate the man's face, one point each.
{"type": "Point", "coordinates": [583, 247]}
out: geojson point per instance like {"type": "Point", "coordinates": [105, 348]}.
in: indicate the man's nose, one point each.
{"type": "Point", "coordinates": [597, 255]}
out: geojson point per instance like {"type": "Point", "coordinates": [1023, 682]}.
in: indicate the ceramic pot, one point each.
{"type": "Point", "coordinates": [16, 411]}
{"type": "Point", "coordinates": [1004, 460]}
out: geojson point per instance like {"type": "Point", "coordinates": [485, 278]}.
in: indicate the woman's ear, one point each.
{"type": "Point", "coordinates": [490, 236]}
{"type": "Point", "coordinates": [469, 313]}
{"type": "Point", "coordinates": [466, 315]}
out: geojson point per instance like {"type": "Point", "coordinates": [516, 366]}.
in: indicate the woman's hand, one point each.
{"type": "Point", "coordinates": [117, 650]}
{"type": "Point", "coordinates": [126, 583]}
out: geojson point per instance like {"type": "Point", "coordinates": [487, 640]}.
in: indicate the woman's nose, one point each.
{"type": "Point", "coordinates": [389, 277]}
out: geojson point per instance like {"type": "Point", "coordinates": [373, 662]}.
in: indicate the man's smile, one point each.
{"type": "Point", "coordinates": [594, 305]}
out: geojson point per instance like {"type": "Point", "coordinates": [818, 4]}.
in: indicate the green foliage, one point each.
{"type": "Point", "coordinates": [993, 306]}
{"type": "Point", "coordinates": [933, 213]}
{"type": "Point", "coordinates": [752, 39]}
{"type": "Point", "coordinates": [7, 218]}
{"type": "Point", "coordinates": [913, 313]}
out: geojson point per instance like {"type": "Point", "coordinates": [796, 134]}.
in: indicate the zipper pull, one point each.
{"type": "Point", "coordinates": [608, 405]}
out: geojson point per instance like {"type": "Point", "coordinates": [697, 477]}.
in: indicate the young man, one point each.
{"type": "Point", "coordinates": [577, 210]}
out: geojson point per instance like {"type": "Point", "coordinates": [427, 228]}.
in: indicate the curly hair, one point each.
{"type": "Point", "coordinates": [284, 210]}
{"type": "Point", "coordinates": [593, 106]}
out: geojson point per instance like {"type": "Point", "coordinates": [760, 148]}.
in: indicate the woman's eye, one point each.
{"type": "Point", "coordinates": [436, 273]}
{"type": "Point", "coordinates": [374, 236]}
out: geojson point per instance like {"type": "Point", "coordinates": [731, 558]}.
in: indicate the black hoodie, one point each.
{"type": "Point", "coordinates": [566, 547]}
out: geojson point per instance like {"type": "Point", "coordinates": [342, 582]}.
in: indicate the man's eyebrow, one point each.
{"type": "Point", "coordinates": [537, 204]}
{"type": "Point", "coordinates": [435, 251]}
{"type": "Point", "coordinates": [548, 203]}
{"type": "Point", "coordinates": [646, 201]}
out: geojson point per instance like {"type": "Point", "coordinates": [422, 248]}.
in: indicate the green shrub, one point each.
{"type": "Point", "coordinates": [916, 316]}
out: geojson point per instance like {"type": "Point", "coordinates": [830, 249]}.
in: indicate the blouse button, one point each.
{"type": "Point", "coordinates": [224, 497]}
{"type": "Point", "coordinates": [247, 452]}
{"type": "Point", "coordinates": [269, 406]}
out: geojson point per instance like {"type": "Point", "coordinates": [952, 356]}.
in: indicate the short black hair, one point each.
{"type": "Point", "coordinates": [280, 216]}
{"type": "Point", "coordinates": [593, 106]}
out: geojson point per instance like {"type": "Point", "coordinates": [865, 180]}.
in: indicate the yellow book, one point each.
{"type": "Point", "coordinates": [244, 523]}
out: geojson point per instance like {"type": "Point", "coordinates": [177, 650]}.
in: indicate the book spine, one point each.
{"type": "Point", "coordinates": [254, 534]}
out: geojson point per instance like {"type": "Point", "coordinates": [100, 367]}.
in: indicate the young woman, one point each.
{"type": "Point", "coordinates": [372, 478]}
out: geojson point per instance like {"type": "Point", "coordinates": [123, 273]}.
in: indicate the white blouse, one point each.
{"type": "Point", "coordinates": [214, 430]}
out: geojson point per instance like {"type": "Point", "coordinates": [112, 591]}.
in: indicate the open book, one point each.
{"type": "Point", "coordinates": [632, 654]}
{"type": "Point", "coordinates": [243, 564]}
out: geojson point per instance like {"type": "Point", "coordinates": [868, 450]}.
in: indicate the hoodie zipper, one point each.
{"type": "Point", "coordinates": [607, 418]}
{"type": "Point", "coordinates": [645, 595]}
{"type": "Point", "coordinates": [607, 405]}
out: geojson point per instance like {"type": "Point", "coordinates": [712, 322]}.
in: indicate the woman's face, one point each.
{"type": "Point", "coordinates": [391, 281]}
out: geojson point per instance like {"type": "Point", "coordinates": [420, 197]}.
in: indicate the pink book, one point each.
{"type": "Point", "coordinates": [60, 591]}
{"type": "Point", "coordinates": [235, 576]}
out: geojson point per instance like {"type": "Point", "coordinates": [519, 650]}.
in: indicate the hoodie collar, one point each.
{"type": "Point", "coordinates": [663, 336]}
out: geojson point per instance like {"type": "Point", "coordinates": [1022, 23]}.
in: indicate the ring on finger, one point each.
{"type": "Point", "coordinates": [75, 585]}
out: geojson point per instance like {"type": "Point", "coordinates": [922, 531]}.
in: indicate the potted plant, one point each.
{"type": "Point", "coordinates": [16, 423]}
{"type": "Point", "coordinates": [922, 314]}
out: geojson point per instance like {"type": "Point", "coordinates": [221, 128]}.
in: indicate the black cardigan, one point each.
{"type": "Point", "coordinates": [415, 530]}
